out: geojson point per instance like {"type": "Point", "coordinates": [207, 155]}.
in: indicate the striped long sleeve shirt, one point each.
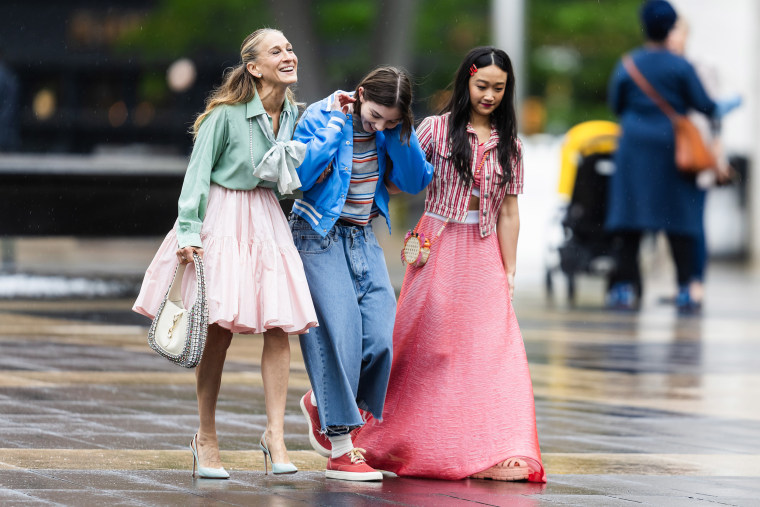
{"type": "Point", "coordinates": [360, 205]}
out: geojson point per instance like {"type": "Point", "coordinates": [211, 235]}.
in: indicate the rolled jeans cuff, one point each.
{"type": "Point", "coordinates": [336, 431]}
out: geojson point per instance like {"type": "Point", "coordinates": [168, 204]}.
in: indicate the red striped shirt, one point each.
{"type": "Point", "coordinates": [447, 194]}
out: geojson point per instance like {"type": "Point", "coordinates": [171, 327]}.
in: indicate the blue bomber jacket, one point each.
{"type": "Point", "coordinates": [329, 139]}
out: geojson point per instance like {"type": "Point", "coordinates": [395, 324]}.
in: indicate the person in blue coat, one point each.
{"type": "Point", "coordinates": [647, 192]}
{"type": "Point", "coordinates": [358, 145]}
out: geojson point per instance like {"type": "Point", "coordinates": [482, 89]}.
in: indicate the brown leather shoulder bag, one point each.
{"type": "Point", "coordinates": [692, 155]}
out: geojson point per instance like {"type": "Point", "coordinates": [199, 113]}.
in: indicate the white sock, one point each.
{"type": "Point", "coordinates": [341, 445]}
{"type": "Point", "coordinates": [313, 399]}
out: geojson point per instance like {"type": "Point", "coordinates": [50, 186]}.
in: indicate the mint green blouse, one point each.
{"type": "Point", "coordinates": [226, 150]}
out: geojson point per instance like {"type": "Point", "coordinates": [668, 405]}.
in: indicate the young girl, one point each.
{"type": "Point", "coordinates": [356, 144]}
{"type": "Point", "coordinates": [243, 159]}
{"type": "Point", "coordinates": [460, 400]}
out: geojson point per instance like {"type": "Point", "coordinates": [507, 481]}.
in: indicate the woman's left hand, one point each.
{"type": "Point", "coordinates": [325, 173]}
{"type": "Point", "coordinates": [185, 255]}
{"type": "Point", "coordinates": [343, 102]}
{"type": "Point", "coordinates": [511, 285]}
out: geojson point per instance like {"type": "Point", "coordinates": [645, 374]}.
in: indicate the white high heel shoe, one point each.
{"type": "Point", "coordinates": [205, 472]}
{"type": "Point", "coordinates": [277, 468]}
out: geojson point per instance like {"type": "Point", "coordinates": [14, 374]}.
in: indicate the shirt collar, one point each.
{"type": "Point", "coordinates": [493, 138]}
{"type": "Point", "coordinates": [254, 107]}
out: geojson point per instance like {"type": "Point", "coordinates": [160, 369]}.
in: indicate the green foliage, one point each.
{"type": "Point", "coordinates": [187, 28]}
{"type": "Point", "coordinates": [177, 28]}
{"type": "Point", "coordinates": [351, 19]}
{"type": "Point", "coordinates": [598, 33]}
{"type": "Point", "coordinates": [345, 29]}
{"type": "Point", "coordinates": [152, 87]}
{"type": "Point", "coordinates": [445, 31]}
{"type": "Point", "coordinates": [571, 47]}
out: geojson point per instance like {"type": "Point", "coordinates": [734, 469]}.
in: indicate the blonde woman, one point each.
{"type": "Point", "coordinates": [243, 160]}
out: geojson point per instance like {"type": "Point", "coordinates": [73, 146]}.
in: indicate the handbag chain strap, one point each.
{"type": "Point", "coordinates": [648, 89]}
{"type": "Point", "coordinates": [477, 172]}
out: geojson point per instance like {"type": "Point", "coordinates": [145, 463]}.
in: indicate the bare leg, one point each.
{"type": "Point", "coordinates": [208, 380]}
{"type": "Point", "coordinates": [275, 370]}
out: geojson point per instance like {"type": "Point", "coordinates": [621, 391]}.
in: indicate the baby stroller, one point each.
{"type": "Point", "coordinates": [582, 246]}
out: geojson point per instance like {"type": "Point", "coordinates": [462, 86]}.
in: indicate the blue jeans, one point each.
{"type": "Point", "coordinates": [348, 356]}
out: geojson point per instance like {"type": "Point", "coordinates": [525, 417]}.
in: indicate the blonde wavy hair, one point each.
{"type": "Point", "coordinates": [238, 85]}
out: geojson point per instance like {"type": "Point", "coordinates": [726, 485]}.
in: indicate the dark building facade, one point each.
{"type": "Point", "coordinates": [82, 88]}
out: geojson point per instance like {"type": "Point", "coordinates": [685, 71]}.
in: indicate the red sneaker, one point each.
{"type": "Point", "coordinates": [318, 440]}
{"type": "Point", "coordinates": [352, 467]}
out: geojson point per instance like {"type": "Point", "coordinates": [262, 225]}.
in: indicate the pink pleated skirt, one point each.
{"type": "Point", "coordinates": [460, 397]}
{"type": "Point", "coordinates": [254, 276]}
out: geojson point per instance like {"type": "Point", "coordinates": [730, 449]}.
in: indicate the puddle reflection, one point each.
{"type": "Point", "coordinates": [474, 490]}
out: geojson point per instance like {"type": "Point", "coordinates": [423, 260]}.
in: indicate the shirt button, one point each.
{"type": "Point", "coordinates": [348, 142]}
{"type": "Point", "coordinates": [485, 212]}
{"type": "Point", "coordinates": [485, 195]}
{"type": "Point", "coordinates": [342, 195]}
{"type": "Point", "coordinates": [488, 176]}
{"type": "Point", "coordinates": [325, 230]}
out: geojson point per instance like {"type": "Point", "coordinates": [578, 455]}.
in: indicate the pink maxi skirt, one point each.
{"type": "Point", "coordinates": [460, 397]}
{"type": "Point", "coordinates": [254, 276]}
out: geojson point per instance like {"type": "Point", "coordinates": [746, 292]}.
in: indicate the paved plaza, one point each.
{"type": "Point", "coordinates": [647, 409]}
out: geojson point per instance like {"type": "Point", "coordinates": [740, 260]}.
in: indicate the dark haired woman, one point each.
{"type": "Point", "coordinates": [243, 159]}
{"type": "Point", "coordinates": [460, 399]}
{"type": "Point", "coordinates": [357, 143]}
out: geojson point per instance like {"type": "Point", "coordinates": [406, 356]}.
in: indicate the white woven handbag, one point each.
{"type": "Point", "coordinates": [176, 333]}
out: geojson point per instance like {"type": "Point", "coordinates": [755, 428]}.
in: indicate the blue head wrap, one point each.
{"type": "Point", "coordinates": [657, 19]}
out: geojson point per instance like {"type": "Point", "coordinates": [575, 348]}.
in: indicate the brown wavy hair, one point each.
{"type": "Point", "coordinates": [389, 87]}
{"type": "Point", "coordinates": [238, 85]}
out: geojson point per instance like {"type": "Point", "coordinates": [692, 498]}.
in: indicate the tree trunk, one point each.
{"type": "Point", "coordinates": [392, 38]}
{"type": "Point", "coordinates": [294, 18]}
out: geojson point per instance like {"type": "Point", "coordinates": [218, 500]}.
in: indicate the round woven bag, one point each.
{"type": "Point", "coordinates": [416, 249]}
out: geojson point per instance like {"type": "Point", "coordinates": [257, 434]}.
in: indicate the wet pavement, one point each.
{"type": "Point", "coordinates": [632, 408]}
